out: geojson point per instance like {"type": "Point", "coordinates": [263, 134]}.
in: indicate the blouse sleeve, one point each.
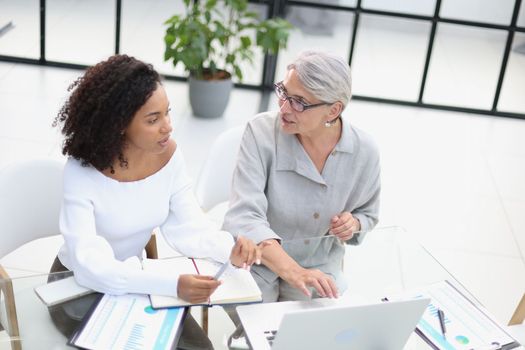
{"type": "Point", "coordinates": [91, 257]}
{"type": "Point", "coordinates": [187, 229]}
{"type": "Point", "coordinates": [367, 211]}
{"type": "Point", "coordinates": [248, 202]}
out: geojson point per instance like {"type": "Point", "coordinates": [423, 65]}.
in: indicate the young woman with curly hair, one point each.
{"type": "Point", "coordinates": [126, 176]}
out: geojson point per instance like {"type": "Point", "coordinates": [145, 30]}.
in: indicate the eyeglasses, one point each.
{"type": "Point", "coordinates": [296, 104]}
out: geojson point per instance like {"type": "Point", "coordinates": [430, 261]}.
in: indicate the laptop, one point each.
{"type": "Point", "coordinates": [327, 324]}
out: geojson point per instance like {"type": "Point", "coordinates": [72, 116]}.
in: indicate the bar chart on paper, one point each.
{"type": "Point", "coordinates": [465, 325]}
{"type": "Point", "coordinates": [129, 322]}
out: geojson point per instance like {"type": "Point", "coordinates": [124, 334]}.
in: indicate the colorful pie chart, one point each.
{"type": "Point", "coordinates": [462, 339]}
{"type": "Point", "coordinates": [149, 310]}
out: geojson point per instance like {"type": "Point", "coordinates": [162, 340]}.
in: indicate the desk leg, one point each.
{"type": "Point", "coordinates": [519, 314]}
{"type": "Point", "coordinates": [205, 319]}
{"type": "Point", "coordinates": [6, 287]}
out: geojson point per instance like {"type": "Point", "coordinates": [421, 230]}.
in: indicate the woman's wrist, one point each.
{"type": "Point", "coordinates": [290, 272]}
{"type": "Point", "coordinates": [276, 259]}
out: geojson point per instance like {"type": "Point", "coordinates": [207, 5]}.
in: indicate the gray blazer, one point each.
{"type": "Point", "coordinates": [278, 193]}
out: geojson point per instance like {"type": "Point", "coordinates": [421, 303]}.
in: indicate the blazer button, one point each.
{"type": "Point", "coordinates": [316, 215]}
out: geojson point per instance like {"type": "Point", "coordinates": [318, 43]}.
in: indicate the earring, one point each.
{"type": "Point", "coordinates": [329, 123]}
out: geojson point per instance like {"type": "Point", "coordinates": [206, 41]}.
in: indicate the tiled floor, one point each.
{"type": "Point", "coordinates": [456, 181]}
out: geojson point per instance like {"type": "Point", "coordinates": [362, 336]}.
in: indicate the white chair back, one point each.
{"type": "Point", "coordinates": [30, 199]}
{"type": "Point", "coordinates": [214, 182]}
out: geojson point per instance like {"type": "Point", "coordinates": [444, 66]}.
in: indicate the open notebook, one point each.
{"type": "Point", "coordinates": [238, 285]}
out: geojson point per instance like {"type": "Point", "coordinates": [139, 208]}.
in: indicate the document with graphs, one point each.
{"type": "Point", "coordinates": [128, 322]}
{"type": "Point", "coordinates": [462, 324]}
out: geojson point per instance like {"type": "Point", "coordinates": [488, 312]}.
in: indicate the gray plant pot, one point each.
{"type": "Point", "coordinates": [209, 98]}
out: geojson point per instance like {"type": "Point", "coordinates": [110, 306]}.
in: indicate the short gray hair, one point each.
{"type": "Point", "coordinates": [324, 75]}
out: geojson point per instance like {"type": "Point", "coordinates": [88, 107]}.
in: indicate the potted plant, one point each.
{"type": "Point", "coordinates": [211, 40]}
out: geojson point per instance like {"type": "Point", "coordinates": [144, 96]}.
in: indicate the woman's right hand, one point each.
{"type": "Point", "coordinates": [321, 282]}
{"type": "Point", "coordinates": [195, 288]}
{"type": "Point", "coordinates": [245, 252]}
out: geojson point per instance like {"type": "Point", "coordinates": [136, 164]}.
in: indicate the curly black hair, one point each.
{"type": "Point", "coordinates": [101, 106]}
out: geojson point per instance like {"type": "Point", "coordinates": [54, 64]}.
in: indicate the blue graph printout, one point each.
{"type": "Point", "coordinates": [128, 322]}
{"type": "Point", "coordinates": [468, 326]}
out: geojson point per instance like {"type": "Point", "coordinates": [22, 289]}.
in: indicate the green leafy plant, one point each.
{"type": "Point", "coordinates": [212, 38]}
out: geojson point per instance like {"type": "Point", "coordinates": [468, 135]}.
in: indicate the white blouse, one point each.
{"type": "Point", "coordinates": [106, 225]}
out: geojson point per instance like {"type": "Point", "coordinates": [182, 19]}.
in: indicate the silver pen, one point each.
{"type": "Point", "coordinates": [223, 268]}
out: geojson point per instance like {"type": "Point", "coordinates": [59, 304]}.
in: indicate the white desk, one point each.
{"type": "Point", "coordinates": [388, 261]}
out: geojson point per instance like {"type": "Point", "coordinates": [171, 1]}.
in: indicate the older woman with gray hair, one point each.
{"type": "Point", "coordinates": [305, 172]}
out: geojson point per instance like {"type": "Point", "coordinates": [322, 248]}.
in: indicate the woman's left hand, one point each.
{"type": "Point", "coordinates": [344, 226]}
{"type": "Point", "coordinates": [245, 253]}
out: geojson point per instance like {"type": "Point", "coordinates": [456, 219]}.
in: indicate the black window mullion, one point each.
{"type": "Point", "coordinates": [42, 31]}
{"type": "Point", "coordinates": [357, 14]}
{"type": "Point", "coordinates": [431, 40]}
{"type": "Point", "coordinates": [275, 9]}
{"type": "Point", "coordinates": [118, 12]}
{"type": "Point", "coordinates": [504, 61]}
{"type": "Point", "coordinates": [278, 8]}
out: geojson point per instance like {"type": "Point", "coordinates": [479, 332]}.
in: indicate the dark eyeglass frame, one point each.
{"type": "Point", "coordinates": [283, 96]}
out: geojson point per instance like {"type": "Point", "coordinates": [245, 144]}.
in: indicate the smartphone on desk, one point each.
{"type": "Point", "coordinates": [60, 291]}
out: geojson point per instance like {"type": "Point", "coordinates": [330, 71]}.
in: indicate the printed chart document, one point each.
{"type": "Point", "coordinates": [128, 322]}
{"type": "Point", "coordinates": [238, 285]}
{"type": "Point", "coordinates": [467, 326]}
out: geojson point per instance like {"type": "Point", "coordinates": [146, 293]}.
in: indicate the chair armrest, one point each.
{"type": "Point", "coordinates": [6, 289]}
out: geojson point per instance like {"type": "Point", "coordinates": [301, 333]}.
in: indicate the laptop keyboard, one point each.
{"type": "Point", "coordinates": [270, 336]}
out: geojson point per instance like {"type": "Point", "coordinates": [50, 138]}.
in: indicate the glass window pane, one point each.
{"type": "Point", "coordinates": [512, 92]}
{"type": "Point", "coordinates": [252, 73]}
{"type": "Point", "coordinates": [419, 7]}
{"type": "Point", "coordinates": [324, 30]}
{"type": "Point", "coordinates": [389, 57]}
{"type": "Point", "coordinates": [143, 36]}
{"type": "Point", "coordinates": [23, 37]}
{"type": "Point", "coordinates": [521, 17]}
{"type": "Point", "coordinates": [348, 3]}
{"type": "Point", "coordinates": [143, 29]}
{"type": "Point", "coordinates": [345, 3]}
{"type": "Point", "coordinates": [80, 32]}
{"type": "Point", "coordinates": [464, 66]}
{"type": "Point", "coordinates": [499, 12]}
